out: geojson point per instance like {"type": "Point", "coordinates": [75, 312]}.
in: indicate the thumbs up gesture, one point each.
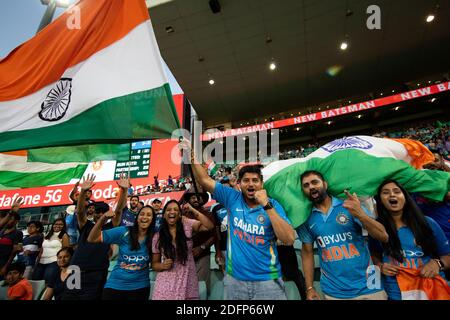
{"type": "Point", "coordinates": [352, 204]}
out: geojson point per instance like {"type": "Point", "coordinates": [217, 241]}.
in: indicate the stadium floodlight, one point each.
{"type": "Point", "coordinates": [50, 12]}
{"type": "Point", "coordinates": [430, 18]}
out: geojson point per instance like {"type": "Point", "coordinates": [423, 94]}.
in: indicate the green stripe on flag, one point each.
{"type": "Point", "coordinates": [355, 171]}
{"type": "Point", "coordinates": [12, 179]}
{"type": "Point", "coordinates": [143, 115]}
{"type": "Point", "coordinates": [82, 153]}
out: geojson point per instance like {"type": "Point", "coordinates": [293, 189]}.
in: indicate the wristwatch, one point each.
{"type": "Point", "coordinates": [268, 206]}
{"type": "Point", "coordinates": [440, 264]}
{"type": "Point", "coordinates": [203, 247]}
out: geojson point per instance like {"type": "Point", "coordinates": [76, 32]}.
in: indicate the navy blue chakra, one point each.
{"type": "Point", "coordinates": [57, 101]}
{"type": "Point", "coordinates": [347, 143]}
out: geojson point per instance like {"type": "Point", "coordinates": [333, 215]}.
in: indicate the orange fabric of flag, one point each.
{"type": "Point", "coordinates": [43, 59]}
{"type": "Point", "coordinates": [415, 287]}
{"type": "Point", "coordinates": [417, 151]}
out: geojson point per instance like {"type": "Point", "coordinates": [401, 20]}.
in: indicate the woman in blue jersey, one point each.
{"type": "Point", "coordinates": [415, 241]}
{"type": "Point", "coordinates": [129, 280]}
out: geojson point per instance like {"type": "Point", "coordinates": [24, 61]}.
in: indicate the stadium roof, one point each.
{"type": "Point", "coordinates": [235, 47]}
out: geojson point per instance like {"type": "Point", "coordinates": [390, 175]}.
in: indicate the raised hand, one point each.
{"type": "Point", "coordinates": [124, 181]}
{"type": "Point", "coordinates": [16, 204]}
{"type": "Point", "coordinates": [187, 207]}
{"type": "Point", "coordinates": [108, 215]}
{"type": "Point", "coordinates": [352, 204]}
{"type": "Point", "coordinates": [261, 197]}
{"type": "Point", "coordinates": [88, 182]}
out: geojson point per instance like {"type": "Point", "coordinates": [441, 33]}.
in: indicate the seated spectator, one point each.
{"type": "Point", "coordinates": [57, 285]}
{"type": "Point", "coordinates": [31, 247]}
{"type": "Point", "coordinates": [55, 239]}
{"type": "Point", "coordinates": [18, 287]}
{"type": "Point", "coordinates": [10, 237]}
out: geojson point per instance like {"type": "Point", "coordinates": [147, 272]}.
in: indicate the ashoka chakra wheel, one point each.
{"type": "Point", "coordinates": [57, 101]}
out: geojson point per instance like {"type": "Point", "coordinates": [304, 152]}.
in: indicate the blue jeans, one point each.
{"type": "Point", "coordinates": [235, 289]}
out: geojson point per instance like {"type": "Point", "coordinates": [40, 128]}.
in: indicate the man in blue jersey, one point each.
{"type": "Point", "coordinates": [336, 226]}
{"type": "Point", "coordinates": [255, 222]}
{"type": "Point", "coordinates": [129, 214]}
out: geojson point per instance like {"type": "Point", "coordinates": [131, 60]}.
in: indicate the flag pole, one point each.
{"type": "Point", "coordinates": [190, 170]}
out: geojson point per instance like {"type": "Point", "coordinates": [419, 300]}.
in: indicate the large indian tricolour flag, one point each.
{"type": "Point", "coordinates": [92, 76]}
{"type": "Point", "coordinates": [358, 164]}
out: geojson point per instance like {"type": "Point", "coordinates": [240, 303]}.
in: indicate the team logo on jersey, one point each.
{"type": "Point", "coordinates": [261, 219]}
{"type": "Point", "coordinates": [342, 218]}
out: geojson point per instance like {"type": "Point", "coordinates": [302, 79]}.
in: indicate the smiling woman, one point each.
{"type": "Point", "coordinates": [416, 248]}
{"type": "Point", "coordinates": [129, 280]}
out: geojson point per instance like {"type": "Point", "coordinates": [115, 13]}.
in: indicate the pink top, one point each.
{"type": "Point", "coordinates": [180, 282]}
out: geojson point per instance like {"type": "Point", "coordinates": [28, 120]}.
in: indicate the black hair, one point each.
{"type": "Point", "coordinates": [250, 169]}
{"type": "Point", "coordinates": [165, 245]}
{"type": "Point", "coordinates": [16, 266]}
{"type": "Point", "coordinates": [134, 197]}
{"type": "Point", "coordinates": [101, 207]}
{"type": "Point", "coordinates": [37, 224]}
{"type": "Point", "coordinates": [310, 172]}
{"type": "Point", "coordinates": [133, 232]}
{"type": "Point", "coordinates": [413, 218]}
{"type": "Point", "coordinates": [69, 250]}
{"type": "Point", "coordinates": [142, 202]}
{"type": "Point", "coordinates": [63, 230]}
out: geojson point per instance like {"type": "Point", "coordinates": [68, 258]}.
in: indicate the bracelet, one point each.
{"type": "Point", "coordinates": [440, 264]}
{"type": "Point", "coordinates": [309, 288]}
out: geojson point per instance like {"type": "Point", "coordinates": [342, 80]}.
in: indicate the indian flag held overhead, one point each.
{"type": "Point", "coordinates": [359, 164]}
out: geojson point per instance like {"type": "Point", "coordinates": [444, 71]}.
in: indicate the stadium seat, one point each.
{"type": "Point", "coordinates": [202, 291]}
{"type": "Point", "coordinates": [215, 277]}
{"type": "Point", "coordinates": [216, 291]}
{"type": "Point", "coordinates": [152, 286]}
{"type": "Point", "coordinates": [318, 289]}
{"type": "Point", "coordinates": [3, 291]}
{"type": "Point", "coordinates": [291, 291]}
{"type": "Point", "coordinates": [38, 288]}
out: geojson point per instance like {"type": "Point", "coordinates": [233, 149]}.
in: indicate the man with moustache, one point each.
{"type": "Point", "coordinates": [336, 226]}
{"type": "Point", "coordinates": [255, 222]}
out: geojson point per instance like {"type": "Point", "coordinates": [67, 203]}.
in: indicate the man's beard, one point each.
{"type": "Point", "coordinates": [320, 197]}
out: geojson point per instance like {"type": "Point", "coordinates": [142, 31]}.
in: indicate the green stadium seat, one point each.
{"type": "Point", "coordinates": [3, 291]}
{"type": "Point", "coordinates": [216, 291]}
{"type": "Point", "coordinates": [202, 291]}
{"type": "Point", "coordinates": [38, 288]}
{"type": "Point", "coordinates": [291, 291]}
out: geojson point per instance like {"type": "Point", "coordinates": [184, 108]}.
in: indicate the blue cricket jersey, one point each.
{"type": "Point", "coordinates": [251, 247]}
{"type": "Point", "coordinates": [343, 251]}
{"type": "Point", "coordinates": [131, 271]}
{"type": "Point", "coordinates": [413, 256]}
